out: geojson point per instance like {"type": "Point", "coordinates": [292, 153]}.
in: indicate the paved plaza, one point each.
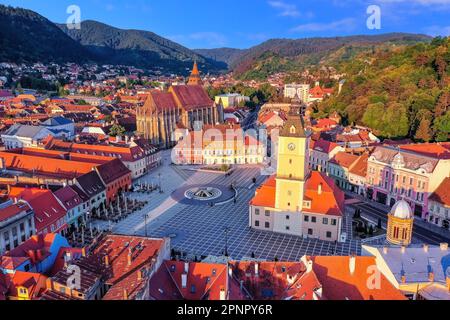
{"type": "Point", "coordinates": [200, 230]}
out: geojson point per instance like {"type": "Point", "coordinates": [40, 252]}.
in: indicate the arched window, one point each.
{"type": "Point", "coordinates": [293, 130]}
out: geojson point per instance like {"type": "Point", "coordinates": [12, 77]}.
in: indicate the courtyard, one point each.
{"type": "Point", "coordinates": [203, 230]}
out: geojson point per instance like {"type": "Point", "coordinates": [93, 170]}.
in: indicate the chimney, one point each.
{"type": "Point", "coordinates": [256, 269]}
{"type": "Point", "coordinates": [403, 279]}
{"type": "Point", "coordinates": [444, 246]}
{"type": "Point", "coordinates": [107, 260]}
{"type": "Point", "coordinates": [140, 275]}
{"type": "Point", "coordinates": [83, 252]}
{"type": "Point", "coordinates": [352, 264]}
{"type": "Point", "coordinates": [431, 276]}
{"type": "Point", "coordinates": [385, 250]}
{"type": "Point", "coordinates": [130, 257]}
{"type": "Point", "coordinates": [426, 248]}
{"type": "Point", "coordinates": [125, 294]}
{"type": "Point", "coordinates": [186, 267]}
{"type": "Point", "coordinates": [223, 294]}
{"type": "Point", "coordinates": [319, 189]}
{"type": "Point", "coordinates": [184, 281]}
{"type": "Point", "coordinates": [49, 283]}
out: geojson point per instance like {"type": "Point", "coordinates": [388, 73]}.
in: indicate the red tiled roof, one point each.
{"type": "Point", "coordinates": [277, 280]}
{"type": "Point", "coordinates": [113, 170]}
{"type": "Point", "coordinates": [47, 210]}
{"type": "Point", "coordinates": [68, 197]}
{"type": "Point", "coordinates": [442, 193]}
{"type": "Point", "coordinates": [191, 97]}
{"type": "Point", "coordinates": [322, 145]}
{"type": "Point", "coordinates": [161, 100]}
{"type": "Point", "coordinates": [32, 281]}
{"type": "Point", "coordinates": [329, 202]}
{"type": "Point", "coordinates": [120, 275]}
{"type": "Point", "coordinates": [435, 150]}
{"type": "Point", "coordinates": [13, 210]}
{"type": "Point", "coordinates": [36, 249]}
{"type": "Point", "coordinates": [46, 166]}
{"type": "Point", "coordinates": [340, 284]}
{"type": "Point", "coordinates": [344, 160]}
{"type": "Point", "coordinates": [359, 167]}
{"type": "Point", "coordinates": [204, 281]}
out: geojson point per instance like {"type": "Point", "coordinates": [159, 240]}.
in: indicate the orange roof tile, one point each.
{"type": "Point", "coordinates": [46, 166]}
{"type": "Point", "coordinates": [340, 284]}
{"type": "Point", "coordinates": [442, 193]}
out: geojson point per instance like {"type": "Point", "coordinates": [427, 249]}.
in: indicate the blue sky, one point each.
{"type": "Point", "coordinates": [243, 23]}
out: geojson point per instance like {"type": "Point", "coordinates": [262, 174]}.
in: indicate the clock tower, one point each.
{"type": "Point", "coordinates": [292, 168]}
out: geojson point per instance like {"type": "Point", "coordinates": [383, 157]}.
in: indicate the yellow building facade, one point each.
{"type": "Point", "coordinates": [400, 224]}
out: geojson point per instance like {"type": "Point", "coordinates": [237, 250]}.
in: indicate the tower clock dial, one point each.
{"type": "Point", "coordinates": [291, 146]}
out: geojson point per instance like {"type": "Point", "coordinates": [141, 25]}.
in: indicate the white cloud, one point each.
{"type": "Point", "coordinates": [285, 9]}
{"type": "Point", "coordinates": [340, 25]}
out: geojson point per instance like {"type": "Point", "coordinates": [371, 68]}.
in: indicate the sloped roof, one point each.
{"type": "Point", "coordinates": [91, 183]}
{"type": "Point", "coordinates": [204, 282]}
{"type": "Point", "coordinates": [344, 159]}
{"type": "Point", "coordinates": [113, 170]}
{"type": "Point", "coordinates": [13, 210]}
{"type": "Point", "coordinates": [442, 193]}
{"type": "Point", "coordinates": [46, 166]}
{"type": "Point", "coordinates": [68, 197]}
{"type": "Point", "coordinates": [57, 121]}
{"type": "Point", "coordinates": [411, 160]}
{"type": "Point", "coordinates": [329, 202]}
{"type": "Point", "coordinates": [277, 280]}
{"type": "Point", "coordinates": [21, 130]}
{"type": "Point", "coordinates": [191, 97]}
{"type": "Point", "coordinates": [340, 284]}
{"type": "Point", "coordinates": [47, 210]}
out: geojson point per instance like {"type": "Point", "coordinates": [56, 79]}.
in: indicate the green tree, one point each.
{"type": "Point", "coordinates": [424, 131]}
{"type": "Point", "coordinates": [116, 130]}
{"type": "Point", "coordinates": [442, 127]}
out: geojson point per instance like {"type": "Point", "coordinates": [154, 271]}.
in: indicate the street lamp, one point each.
{"type": "Point", "coordinates": [145, 226]}
{"type": "Point", "coordinates": [227, 230]}
{"type": "Point", "coordinates": [160, 185]}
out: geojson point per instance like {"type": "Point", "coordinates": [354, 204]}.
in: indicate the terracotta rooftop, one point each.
{"type": "Point", "coordinates": [277, 280]}
{"type": "Point", "coordinates": [442, 193]}
{"type": "Point", "coordinates": [204, 281]}
{"type": "Point", "coordinates": [344, 159]}
{"type": "Point", "coordinates": [13, 210]}
{"type": "Point", "coordinates": [339, 283]}
{"type": "Point", "coordinates": [330, 201]}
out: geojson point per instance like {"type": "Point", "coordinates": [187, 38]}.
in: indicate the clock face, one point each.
{"type": "Point", "coordinates": [291, 146]}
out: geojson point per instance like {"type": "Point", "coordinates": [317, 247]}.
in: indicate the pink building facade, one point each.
{"type": "Point", "coordinates": [395, 173]}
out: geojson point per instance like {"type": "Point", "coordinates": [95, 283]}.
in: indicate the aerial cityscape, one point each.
{"type": "Point", "coordinates": [307, 165]}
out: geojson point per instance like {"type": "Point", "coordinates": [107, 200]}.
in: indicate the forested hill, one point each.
{"type": "Point", "coordinates": [26, 36]}
{"type": "Point", "coordinates": [292, 55]}
{"type": "Point", "coordinates": [398, 93]}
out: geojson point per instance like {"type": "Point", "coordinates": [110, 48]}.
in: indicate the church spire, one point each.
{"type": "Point", "coordinates": [294, 125]}
{"type": "Point", "coordinates": [195, 79]}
